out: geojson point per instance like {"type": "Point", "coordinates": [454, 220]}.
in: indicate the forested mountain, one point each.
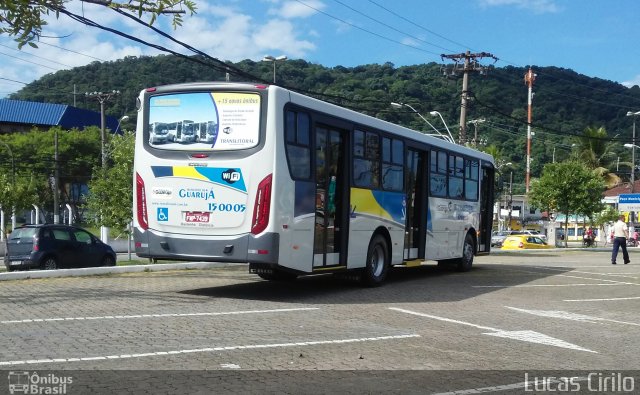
{"type": "Point", "coordinates": [565, 102]}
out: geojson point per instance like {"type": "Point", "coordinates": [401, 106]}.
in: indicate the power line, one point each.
{"type": "Point", "coordinates": [365, 30]}
{"type": "Point", "coordinates": [28, 61]}
{"type": "Point", "coordinates": [390, 27]}
{"type": "Point", "coordinates": [36, 56]}
{"type": "Point", "coordinates": [72, 51]}
{"type": "Point", "coordinates": [17, 82]}
{"type": "Point", "coordinates": [419, 26]}
{"type": "Point", "coordinates": [542, 73]}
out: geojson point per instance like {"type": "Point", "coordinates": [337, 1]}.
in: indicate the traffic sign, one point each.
{"type": "Point", "coordinates": [629, 202]}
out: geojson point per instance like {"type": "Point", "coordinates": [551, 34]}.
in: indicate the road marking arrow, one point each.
{"type": "Point", "coordinates": [526, 335]}
{"type": "Point", "coordinates": [537, 337]}
{"type": "Point", "coordinates": [566, 315]}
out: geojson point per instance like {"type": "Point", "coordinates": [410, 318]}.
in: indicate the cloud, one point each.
{"type": "Point", "coordinates": [634, 81]}
{"type": "Point", "coordinates": [226, 32]}
{"type": "Point", "coordinates": [294, 9]}
{"type": "Point", "coordinates": [279, 35]}
{"type": "Point", "coordinates": [537, 6]}
{"type": "Point", "coordinates": [412, 42]}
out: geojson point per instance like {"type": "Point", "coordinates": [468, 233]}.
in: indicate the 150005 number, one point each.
{"type": "Point", "coordinates": [234, 208]}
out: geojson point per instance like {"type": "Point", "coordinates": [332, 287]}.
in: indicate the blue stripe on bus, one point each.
{"type": "Point", "coordinates": [393, 203]}
{"type": "Point", "coordinates": [229, 177]}
{"type": "Point", "coordinates": [162, 171]}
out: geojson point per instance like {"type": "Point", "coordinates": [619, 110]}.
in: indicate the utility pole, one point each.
{"type": "Point", "coordinates": [510, 199]}
{"type": "Point", "coordinates": [528, 79]}
{"type": "Point", "coordinates": [56, 181]}
{"type": "Point", "coordinates": [102, 98]}
{"type": "Point", "coordinates": [469, 64]}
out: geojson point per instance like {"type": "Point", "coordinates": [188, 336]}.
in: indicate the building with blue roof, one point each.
{"type": "Point", "coordinates": [21, 116]}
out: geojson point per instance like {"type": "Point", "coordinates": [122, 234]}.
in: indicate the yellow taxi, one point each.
{"type": "Point", "coordinates": [524, 242]}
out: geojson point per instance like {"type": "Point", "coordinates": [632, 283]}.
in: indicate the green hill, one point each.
{"type": "Point", "coordinates": [565, 102]}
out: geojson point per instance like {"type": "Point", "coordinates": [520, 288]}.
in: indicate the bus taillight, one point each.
{"type": "Point", "coordinates": [141, 200]}
{"type": "Point", "coordinates": [260, 218]}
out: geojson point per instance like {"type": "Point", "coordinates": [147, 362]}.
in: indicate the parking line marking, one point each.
{"type": "Point", "coordinates": [208, 349]}
{"type": "Point", "coordinates": [540, 285]}
{"type": "Point", "coordinates": [566, 315]}
{"type": "Point", "coordinates": [582, 272]}
{"type": "Point", "coordinates": [601, 300]}
{"type": "Point", "coordinates": [523, 335]}
{"type": "Point", "coordinates": [111, 317]}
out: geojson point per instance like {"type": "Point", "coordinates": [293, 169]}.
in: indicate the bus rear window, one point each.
{"type": "Point", "coordinates": [204, 121]}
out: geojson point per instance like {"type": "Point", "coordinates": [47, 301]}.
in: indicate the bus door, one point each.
{"type": "Point", "coordinates": [416, 205]}
{"type": "Point", "coordinates": [332, 199]}
{"type": "Point", "coordinates": [486, 208]}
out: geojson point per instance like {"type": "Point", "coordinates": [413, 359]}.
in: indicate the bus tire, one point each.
{"type": "Point", "coordinates": [278, 275]}
{"type": "Point", "coordinates": [377, 266]}
{"type": "Point", "coordinates": [465, 263]}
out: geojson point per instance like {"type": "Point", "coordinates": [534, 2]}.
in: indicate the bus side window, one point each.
{"type": "Point", "coordinates": [471, 168]}
{"type": "Point", "coordinates": [438, 174]}
{"type": "Point", "coordinates": [366, 159]}
{"type": "Point", "coordinates": [297, 130]}
{"type": "Point", "coordinates": [392, 169]}
{"type": "Point", "coordinates": [456, 172]}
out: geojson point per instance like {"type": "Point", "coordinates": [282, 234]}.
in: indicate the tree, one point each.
{"type": "Point", "coordinates": [33, 156]}
{"type": "Point", "coordinates": [111, 189]}
{"type": "Point", "coordinates": [596, 152]}
{"type": "Point", "coordinates": [608, 215]}
{"type": "Point", "coordinates": [20, 186]}
{"type": "Point", "coordinates": [500, 162]}
{"type": "Point", "coordinates": [24, 20]}
{"type": "Point", "coordinates": [568, 188]}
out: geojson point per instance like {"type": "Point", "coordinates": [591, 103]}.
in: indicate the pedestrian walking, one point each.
{"type": "Point", "coordinates": [621, 234]}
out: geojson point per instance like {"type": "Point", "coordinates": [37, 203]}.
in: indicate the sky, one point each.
{"type": "Point", "coordinates": [597, 38]}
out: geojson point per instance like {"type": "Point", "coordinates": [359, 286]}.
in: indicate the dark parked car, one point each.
{"type": "Point", "coordinates": [49, 246]}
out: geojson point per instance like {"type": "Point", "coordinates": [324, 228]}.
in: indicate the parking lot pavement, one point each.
{"type": "Point", "coordinates": [517, 313]}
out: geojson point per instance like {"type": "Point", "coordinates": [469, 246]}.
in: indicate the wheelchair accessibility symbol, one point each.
{"type": "Point", "coordinates": [163, 214]}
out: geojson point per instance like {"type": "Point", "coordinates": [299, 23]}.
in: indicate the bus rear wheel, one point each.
{"type": "Point", "coordinates": [465, 263]}
{"type": "Point", "coordinates": [375, 271]}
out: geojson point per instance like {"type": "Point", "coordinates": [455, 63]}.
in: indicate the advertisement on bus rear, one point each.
{"type": "Point", "coordinates": [197, 196]}
{"type": "Point", "coordinates": [204, 121]}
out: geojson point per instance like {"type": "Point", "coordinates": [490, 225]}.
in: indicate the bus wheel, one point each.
{"type": "Point", "coordinates": [278, 275]}
{"type": "Point", "coordinates": [464, 264]}
{"type": "Point", "coordinates": [377, 266]}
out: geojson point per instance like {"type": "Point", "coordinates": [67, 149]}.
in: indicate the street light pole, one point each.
{"type": "Point", "coordinates": [123, 118]}
{"type": "Point", "coordinates": [269, 58]}
{"type": "Point", "coordinates": [510, 199]}
{"type": "Point", "coordinates": [633, 149]}
{"type": "Point", "coordinates": [400, 105]}
{"type": "Point", "coordinates": [434, 113]}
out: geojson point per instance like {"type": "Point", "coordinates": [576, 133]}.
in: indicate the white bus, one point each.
{"type": "Point", "coordinates": [206, 132]}
{"type": "Point", "coordinates": [295, 186]}
{"type": "Point", "coordinates": [158, 133]}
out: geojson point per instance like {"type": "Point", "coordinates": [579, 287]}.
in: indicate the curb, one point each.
{"type": "Point", "coordinates": [92, 271]}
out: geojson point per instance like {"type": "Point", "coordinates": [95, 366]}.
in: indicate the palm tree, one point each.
{"type": "Point", "coordinates": [595, 150]}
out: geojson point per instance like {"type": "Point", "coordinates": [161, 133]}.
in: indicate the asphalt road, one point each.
{"type": "Point", "coordinates": [546, 317]}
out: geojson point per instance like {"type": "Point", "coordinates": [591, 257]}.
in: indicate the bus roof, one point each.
{"type": "Point", "coordinates": [357, 117]}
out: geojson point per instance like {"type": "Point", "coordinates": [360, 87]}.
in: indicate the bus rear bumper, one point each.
{"type": "Point", "coordinates": [245, 248]}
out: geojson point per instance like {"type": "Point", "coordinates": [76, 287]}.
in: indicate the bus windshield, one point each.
{"type": "Point", "coordinates": [204, 121]}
